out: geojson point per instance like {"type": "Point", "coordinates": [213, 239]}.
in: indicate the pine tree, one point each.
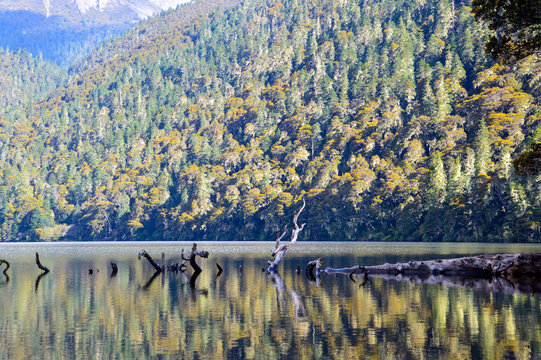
{"type": "Point", "coordinates": [482, 149]}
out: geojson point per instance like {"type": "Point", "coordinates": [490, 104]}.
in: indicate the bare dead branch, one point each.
{"type": "Point", "coordinates": [297, 215]}
{"type": "Point", "coordinates": [278, 239]}
{"type": "Point", "coordinates": [280, 250]}
{"type": "Point", "coordinates": [144, 254]}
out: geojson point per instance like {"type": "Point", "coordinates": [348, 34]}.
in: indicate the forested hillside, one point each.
{"type": "Point", "coordinates": [24, 78]}
{"type": "Point", "coordinates": [384, 114]}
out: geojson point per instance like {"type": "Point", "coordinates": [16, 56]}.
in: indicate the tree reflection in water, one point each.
{"type": "Point", "coordinates": [248, 314]}
{"type": "Point", "coordinates": [276, 280]}
{"type": "Point", "coordinates": [5, 281]}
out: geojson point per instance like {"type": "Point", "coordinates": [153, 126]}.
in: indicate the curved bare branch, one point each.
{"type": "Point", "coordinates": [297, 215]}
{"type": "Point", "coordinates": [278, 239]}
{"type": "Point", "coordinates": [280, 250]}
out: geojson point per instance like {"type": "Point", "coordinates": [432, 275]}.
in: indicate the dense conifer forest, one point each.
{"type": "Point", "coordinates": [24, 78]}
{"type": "Point", "coordinates": [213, 124]}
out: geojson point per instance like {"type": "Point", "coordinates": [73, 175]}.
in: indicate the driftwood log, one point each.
{"type": "Point", "coordinates": [279, 249]}
{"type": "Point", "coordinates": [507, 266]}
{"type": "Point", "coordinates": [505, 273]}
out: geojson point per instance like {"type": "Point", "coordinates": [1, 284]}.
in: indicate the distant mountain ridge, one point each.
{"type": "Point", "coordinates": [65, 30]}
{"type": "Point", "coordinates": [98, 10]}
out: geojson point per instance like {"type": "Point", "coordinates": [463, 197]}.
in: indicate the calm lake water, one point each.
{"type": "Point", "coordinates": [246, 313]}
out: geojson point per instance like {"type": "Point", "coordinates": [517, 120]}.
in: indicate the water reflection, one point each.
{"type": "Point", "coordinates": [252, 314]}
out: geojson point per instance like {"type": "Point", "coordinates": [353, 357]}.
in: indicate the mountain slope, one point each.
{"type": "Point", "coordinates": [384, 114]}
{"type": "Point", "coordinates": [24, 79]}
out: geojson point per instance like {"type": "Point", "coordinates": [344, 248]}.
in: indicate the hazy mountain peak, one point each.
{"type": "Point", "coordinates": [78, 25]}
{"type": "Point", "coordinates": [75, 8]}
{"type": "Point", "coordinates": [85, 5]}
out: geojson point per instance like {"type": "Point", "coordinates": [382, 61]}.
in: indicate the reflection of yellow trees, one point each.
{"type": "Point", "coordinates": [77, 315]}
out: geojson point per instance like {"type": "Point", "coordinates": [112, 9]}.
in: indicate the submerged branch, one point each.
{"type": "Point", "coordinates": [2, 261]}
{"type": "Point", "coordinates": [144, 254]}
{"type": "Point", "coordinates": [40, 266]}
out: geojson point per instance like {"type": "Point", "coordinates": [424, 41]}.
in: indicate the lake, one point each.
{"type": "Point", "coordinates": [246, 313]}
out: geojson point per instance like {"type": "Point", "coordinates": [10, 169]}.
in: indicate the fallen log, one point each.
{"type": "Point", "coordinates": [174, 268]}
{"type": "Point", "coordinates": [512, 271]}
{"type": "Point", "coordinates": [497, 265]}
{"type": "Point", "coordinates": [182, 265]}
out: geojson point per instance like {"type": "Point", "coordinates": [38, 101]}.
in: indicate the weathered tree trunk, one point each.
{"type": "Point", "coordinates": [280, 250]}
{"type": "Point", "coordinates": [40, 266]}
{"type": "Point", "coordinates": [314, 264]}
{"type": "Point", "coordinates": [184, 260]}
{"type": "Point", "coordinates": [191, 258]}
{"type": "Point", "coordinates": [498, 265]}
